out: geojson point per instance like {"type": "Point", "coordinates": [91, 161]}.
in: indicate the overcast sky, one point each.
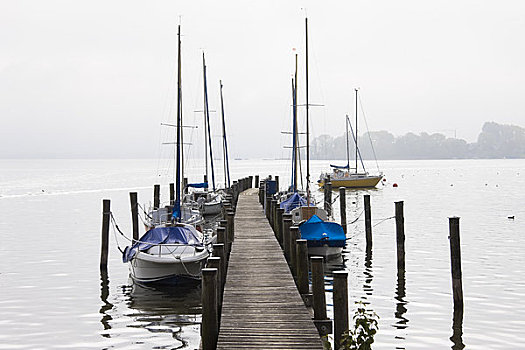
{"type": "Point", "coordinates": [96, 78]}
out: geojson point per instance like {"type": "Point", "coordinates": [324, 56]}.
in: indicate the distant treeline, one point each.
{"type": "Point", "coordinates": [494, 141]}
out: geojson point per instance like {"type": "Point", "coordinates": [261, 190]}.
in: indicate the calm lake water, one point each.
{"type": "Point", "coordinates": [53, 296]}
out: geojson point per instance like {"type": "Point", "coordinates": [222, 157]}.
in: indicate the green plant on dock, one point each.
{"type": "Point", "coordinates": [362, 335]}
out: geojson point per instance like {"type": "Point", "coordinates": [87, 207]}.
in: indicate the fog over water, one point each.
{"type": "Point", "coordinates": [96, 79]}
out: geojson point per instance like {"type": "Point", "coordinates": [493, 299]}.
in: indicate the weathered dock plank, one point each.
{"type": "Point", "coordinates": [262, 308]}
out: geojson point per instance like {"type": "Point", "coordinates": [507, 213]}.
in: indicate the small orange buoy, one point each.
{"type": "Point", "coordinates": [394, 185]}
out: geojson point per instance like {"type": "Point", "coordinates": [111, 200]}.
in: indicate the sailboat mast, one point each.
{"type": "Point", "coordinates": [177, 209]}
{"type": "Point", "coordinates": [347, 147]}
{"type": "Point", "coordinates": [295, 134]}
{"type": "Point", "coordinates": [356, 131]}
{"type": "Point", "coordinates": [207, 119]}
{"type": "Point", "coordinates": [204, 112]}
{"type": "Point", "coordinates": [224, 145]}
{"type": "Point", "coordinates": [307, 123]}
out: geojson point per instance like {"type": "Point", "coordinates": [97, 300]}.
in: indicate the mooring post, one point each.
{"type": "Point", "coordinates": [106, 216]}
{"type": "Point", "coordinates": [324, 326]}
{"type": "Point", "coordinates": [256, 181]}
{"type": "Point", "coordinates": [184, 186]}
{"type": "Point", "coordinates": [214, 262]}
{"type": "Point", "coordinates": [340, 306]}
{"type": "Point", "coordinates": [172, 193]}
{"type": "Point", "coordinates": [287, 223]}
{"type": "Point", "coordinates": [267, 206]}
{"type": "Point", "coordinates": [250, 181]}
{"type": "Point", "coordinates": [328, 198]}
{"type": "Point", "coordinates": [302, 268]}
{"type": "Point", "coordinates": [455, 259]}
{"type": "Point", "coordinates": [400, 235]}
{"type": "Point", "coordinates": [222, 238]}
{"type": "Point", "coordinates": [318, 287]}
{"type": "Point", "coordinates": [273, 209]}
{"type": "Point", "coordinates": [368, 222]}
{"type": "Point", "coordinates": [342, 207]}
{"type": "Point", "coordinates": [294, 235]}
{"type": "Point", "coordinates": [210, 320]}
{"type": "Point", "coordinates": [134, 214]}
{"type": "Point", "coordinates": [279, 224]}
{"type": "Point", "coordinates": [277, 184]}
{"type": "Point", "coordinates": [156, 196]}
{"type": "Point", "coordinates": [231, 227]}
{"type": "Point", "coordinates": [219, 251]}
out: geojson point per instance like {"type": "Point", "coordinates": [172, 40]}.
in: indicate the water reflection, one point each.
{"type": "Point", "coordinates": [367, 285]}
{"type": "Point", "coordinates": [457, 329]}
{"type": "Point", "coordinates": [401, 309]}
{"type": "Point", "coordinates": [106, 305]}
{"type": "Point", "coordinates": [164, 311]}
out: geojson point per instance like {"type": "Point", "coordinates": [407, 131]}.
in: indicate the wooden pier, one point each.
{"type": "Point", "coordinates": [262, 308]}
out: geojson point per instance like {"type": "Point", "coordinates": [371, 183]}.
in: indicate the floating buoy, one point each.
{"type": "Point", "coordinates": [394, 185]}
{"type": "Point", "coordinates": [384, 180]}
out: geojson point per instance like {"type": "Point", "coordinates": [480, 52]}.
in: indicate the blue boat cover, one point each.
{"type": "Point", "coordinates": [199, 185]}
{"type": "Point", "coordinates": [161, 235]}
{"type": "Point", "coordinates": [294, 201]}
{"type": "Point", "coordinates": [271, 187]}
{"type": "Point", "coordinates": [318, 233]}
{"type": "Point", "coordinates": [340, 166]}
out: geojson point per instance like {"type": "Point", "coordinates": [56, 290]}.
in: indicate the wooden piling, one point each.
{"type": "Point", "coordinates": [294, 235]}
{"type": "Point", "coordinates": [134, 214]}
{"type": "Point", "coordinates": [222, 238]}
{"type": "Point", "coordinates": [400, 235]}
{"type": "Point", "coordinates": [214, 262]}
{"type": "Point", "coordinates": [287, 223]}
{"type": "Point", "coordinates": [455, 260]}
{"type": "Point", "coordinates": [277, 183]}
{"type": "Point", "coordinates": [250, 181]}
{"type": "Point", "coordinates": [172, 193]}
{"type": "Point", "coordinates": [319, 302]}
{"type": "Point", "coordinates": [279, 224]}
{"type": "Point", "coordinates": [156, 196]}
{"type": "Point", "coordinates": [342, 207]}
{"type": "Point", "coordinates": [210, 321]}
{"type": "Point", "coordinates": [256, 181]}
{"type": "Point", "coordinates": [328, 198]}
{"type": "Point", "coordinates": [273, 213]}
{"type": "Point", "coordinates": [230, 226]}
{"type": "Point", "coordinates": [185, 185]}
{"type": "Point", "coordinates": [106, 216]}
{"type": "Point", "coordinates": [368, 222]}
{"type": "Point", "coordinates": [302, 267]}
{"type": "Point", "coordinates": [340, 306]}
{"type": "Point", "coordinates": [219, 251]}
{"type": "Point", "coordinates": [267, 205]}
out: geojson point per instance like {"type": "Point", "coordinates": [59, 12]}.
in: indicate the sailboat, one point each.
{"type": "Point", "coordinates": [323, 238]}
{"type": "Point", "coordinates": [209, 202]}
{"type": "Point", "coordinates": [345, 176]}
{"type": "Point", "coordinates": [173, 251]}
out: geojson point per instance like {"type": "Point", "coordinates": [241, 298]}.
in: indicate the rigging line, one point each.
{"type": "Point", "coordinates": [368, 131]}
{"type": "Point", "coordinates": [380, 222]}
{"type": "Point", "coordinates": [358, 151]}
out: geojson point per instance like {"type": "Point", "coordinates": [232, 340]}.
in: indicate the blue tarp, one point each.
{"type": "Point", "coordinates": [199, 185]}
{"type": "Point", "coordinates": [161, 235]}
{"type": "Point", "coordinates": [295, 200]}
{"type": "Point", "coordinates": [340, 166]}
{"type": "Point", "coordinates": [318, 233]}
{"type": "Point", "coordinates": [271, 187]}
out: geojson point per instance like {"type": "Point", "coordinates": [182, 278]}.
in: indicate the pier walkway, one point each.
{"type": "Point", "coordinates": [262, 308]}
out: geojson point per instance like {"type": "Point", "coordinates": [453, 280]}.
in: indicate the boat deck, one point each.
{"type": "Point", "coordinates": [262, 308]}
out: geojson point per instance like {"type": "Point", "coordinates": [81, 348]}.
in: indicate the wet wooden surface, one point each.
{"type": "Point", "coordinates": [262, 308]}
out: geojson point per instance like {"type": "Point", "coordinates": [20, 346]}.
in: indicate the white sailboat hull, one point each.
{"type": "Point", "coordinates": [184, 262]}
{"type": "Point", "coordinates": [325, 251]}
